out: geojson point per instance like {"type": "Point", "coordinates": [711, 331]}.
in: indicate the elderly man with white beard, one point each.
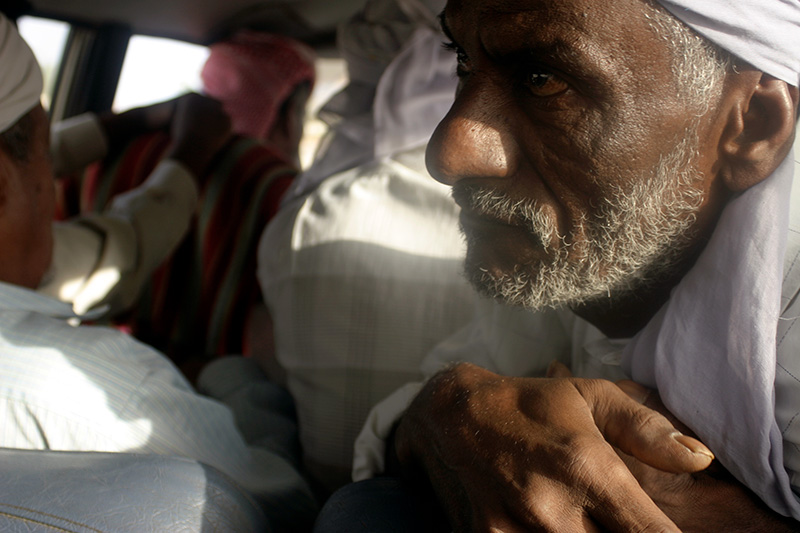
{"type": "Point", "coordinates": [624, 171]}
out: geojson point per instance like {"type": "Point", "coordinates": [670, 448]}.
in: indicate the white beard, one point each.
{"type": "Point", "coordinates": [635, 237]}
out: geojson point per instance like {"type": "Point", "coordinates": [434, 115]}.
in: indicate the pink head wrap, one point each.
{"type": "Point", "coordinates": [252, 74]}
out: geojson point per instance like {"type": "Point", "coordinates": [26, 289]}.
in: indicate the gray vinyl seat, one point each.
{"type": "Point", "coordinates": [45, 491]}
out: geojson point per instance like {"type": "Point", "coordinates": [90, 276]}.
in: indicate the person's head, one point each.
{"type": "Point", "coordinates": [592, 144]}
{"type": "Point", "coordinates": [263, 81]}
{"type": "Point", "coordinates": [26, 177]}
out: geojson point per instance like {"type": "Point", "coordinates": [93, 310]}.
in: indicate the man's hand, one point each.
{"type": "Point", "coordinates": [121, 128]}
{"type": "Point", "coordinates": [200, 128]}
{"type": "Point", "coordinates": [524, 453]}
{"type": "Point", "coordinates": [712, 500]}
{"type": "Point", "coordinates": [197, 125]}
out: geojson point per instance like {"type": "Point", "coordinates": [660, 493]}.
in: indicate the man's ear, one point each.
{"type": "Point", "coordinates": [759, 131]}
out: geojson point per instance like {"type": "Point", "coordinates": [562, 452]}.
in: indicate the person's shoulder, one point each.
{"type": "Point", "coordinates": [36, 331]}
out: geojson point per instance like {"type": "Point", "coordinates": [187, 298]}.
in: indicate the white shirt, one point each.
{"type": "Point", "coordinates": [90, 388]}
{"type": "Point", "coordinates": [362, 279]}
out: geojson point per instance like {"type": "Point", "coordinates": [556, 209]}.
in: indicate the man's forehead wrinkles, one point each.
{"type": "Point", "coordinates": [466, 15]}
{"type": "Point", "coordinates": [581, 22]}
{"type": "Point", "coordinates": [534, 25]}
{"type": "Point", "coordinates": [557, 44]}
{"type": "Point", "coordinates": [604, 50]}
{"type": "Point", "coordinates": [536, 38]}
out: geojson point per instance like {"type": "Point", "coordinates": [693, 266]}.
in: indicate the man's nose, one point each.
{"type": "Point", "coordinates": [474, 140]}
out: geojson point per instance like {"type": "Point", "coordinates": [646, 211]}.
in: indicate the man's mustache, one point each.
{"type": "Point", "coordinates": [497, 207]}
{"type": "Point", "coordinates": [493, 204]}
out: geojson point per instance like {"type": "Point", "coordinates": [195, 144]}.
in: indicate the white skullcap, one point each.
{"type": "Point", "coordinates": [21, 79]}
{"type": "Point", "coordinates": [765, 33]}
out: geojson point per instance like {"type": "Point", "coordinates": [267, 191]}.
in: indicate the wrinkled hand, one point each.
{"type": "Point", "coordinates": [712, 500]}
{"type": "Point", "coordinates": [516, 454]}
{"type": "Point", "coordinates": [200, 128]}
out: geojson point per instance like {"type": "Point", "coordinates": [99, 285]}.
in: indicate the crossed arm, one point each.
{"type": "Point", "coordinates": [566, 454]}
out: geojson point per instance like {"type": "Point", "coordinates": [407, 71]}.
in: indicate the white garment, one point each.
{"type": "Point", "coordinates": [96, 389]}
{"type": "Point", "coordinates": [728, 306]}
{"type": "Point", "coordinates": [401, 85]}
{"type": "Point", "coordinates": [362, 278]}
{"type": "Point", "coordinates": [765, 33]}
{"type": "Point", "coordinates": [104, 259]}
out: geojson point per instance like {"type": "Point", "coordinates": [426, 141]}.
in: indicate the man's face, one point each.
{"type": "Point", "coordinates": [26, 212]}
{"type": "Point", "coordinates": [569, 147]}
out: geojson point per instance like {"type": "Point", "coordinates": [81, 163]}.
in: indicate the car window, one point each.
{"type": "Point", "coordinates": [47, 38]}
{"type": "Point", "coordinates": [157, 69]}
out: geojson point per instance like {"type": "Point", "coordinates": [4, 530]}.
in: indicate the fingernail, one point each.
{"type": "Point", "coordinates": [693, 445]}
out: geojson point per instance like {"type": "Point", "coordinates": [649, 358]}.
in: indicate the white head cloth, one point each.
{"type": "Point", "coordinates": [765, 33]}
{"type": "Point", "coordinates": [21, 79]}
{"type": "Point", "coordinates": [711, 350]}
{"type": "Point", "coordinates": [401, 86]}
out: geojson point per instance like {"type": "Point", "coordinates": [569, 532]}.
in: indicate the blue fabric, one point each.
{"type": "Point", "coordinates": [379, 505]}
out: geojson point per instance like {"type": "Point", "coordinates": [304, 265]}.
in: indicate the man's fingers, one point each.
{"type": "Point", "coordinates": [650, 438]}
{"type": "Point", "coordinates": [547, 511]}
{"type": "Point", "coordinates": [626, 507]}
{"type": "Point", "coordinates": [598, 493]}
{"type": "Point", "coordinates": [651, 399]}
{"type": "Point", "coordinates": [642, 432]}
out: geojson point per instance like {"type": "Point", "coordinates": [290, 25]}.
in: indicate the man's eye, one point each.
{"type": "Point", "coordinates": [462, 60]}
{"type": "Point", "coordinates": [542, 83]}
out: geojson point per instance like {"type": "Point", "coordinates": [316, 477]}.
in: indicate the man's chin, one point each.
{"type": "Point", "coordinates": [535, 285]}
{"type": "Point", "coordinates": [511, 287]}
{"type": "Point", "coordinates": [505, 252]}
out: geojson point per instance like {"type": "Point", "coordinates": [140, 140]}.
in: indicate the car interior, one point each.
{"type": "Point", "coordinates": [91, 51]}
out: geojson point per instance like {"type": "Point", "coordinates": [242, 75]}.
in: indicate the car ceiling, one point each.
{"type": "Point", "coordinates": [202, 21]}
